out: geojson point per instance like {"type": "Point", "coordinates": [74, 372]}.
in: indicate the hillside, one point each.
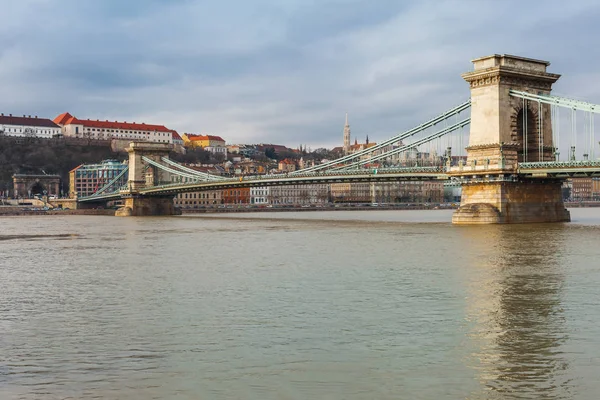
{"type": "Point", "coordinates": [52, 156]}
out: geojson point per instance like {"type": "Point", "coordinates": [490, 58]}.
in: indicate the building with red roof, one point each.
{"type": "Point", "coordinates": [176, 138]}
{"type": "Point", "coordinates": [96, 129]}
{"type": "Point", "coordinates": [193, 140]}
{"type": "Point", "coordinates": [286, 165]}
{"type": "Point", "coordinates": [26, 126]}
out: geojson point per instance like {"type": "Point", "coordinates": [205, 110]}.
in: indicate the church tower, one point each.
{"type": "Point", "coordinates": [346, 136]}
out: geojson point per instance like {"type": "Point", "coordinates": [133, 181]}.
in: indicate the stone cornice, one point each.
{"type": "Point", "coordinates": [510, 76]}
{"type": "Point", "coordinates": [491, 146]}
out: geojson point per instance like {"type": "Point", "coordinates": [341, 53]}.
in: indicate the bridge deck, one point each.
{"type": "Point", "coordinates": [555, 169]}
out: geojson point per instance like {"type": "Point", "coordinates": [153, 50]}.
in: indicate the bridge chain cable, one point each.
{"type": "Point", "coordinates": [456, 110]}
{"type": "Point", "coordinates": [573, 134]}
{"type": "Point", "coordinates": [524, 122]}
{"type": "Point", "coordinates": [190, 170]}
{"type": "Point", "coordinates": [170, 170]}
{"type": "Point", "coordinates": [592, 135]}
{"type": "Point", "coordinates": [109, 184]}
{"type": "Point", "coordinates": [588, 121]}
{"type": "Point", "coordinates": [559, 101]}
{"type": "Point", "coordinates": [540, 133]}
{"type": "Point", "coordinates": [556, 131]}
{"type": "Point", "coordinates": [408, 147]}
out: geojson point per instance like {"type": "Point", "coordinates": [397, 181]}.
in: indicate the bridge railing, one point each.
{"type": "Point", "coordinates": [559, 164]}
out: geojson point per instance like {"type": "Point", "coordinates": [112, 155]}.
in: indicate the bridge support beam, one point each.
{"type": "Point", "coordinates": [506, 202]}
{"type": "Point", "coordinates": [143, 206]}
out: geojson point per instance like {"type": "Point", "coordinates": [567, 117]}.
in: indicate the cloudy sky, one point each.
{"type": "Point", "coordinates": [278, 71]}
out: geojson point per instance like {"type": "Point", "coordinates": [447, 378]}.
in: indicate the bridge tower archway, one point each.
{"type": "Point", "coordinates": [526, 134]}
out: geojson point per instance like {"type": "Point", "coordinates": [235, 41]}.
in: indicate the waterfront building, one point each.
{"type": "Point", "coordinates": [452, 191]}
{"type": "Point", "coordinates": [298, 194]}
{"type": "Point", "coordinates": [359, 192]}
{"type": "Point", "coordinates": [596, 189]}
{"type": "Point", "coordinates": [106, 130]}
{"type": "Point", "coordinates": [388, 192]}
{"type": "Point", "coordinates": [236, 196]}
{"type": "Point", "coordinates": [27, 126]}
{"type": "Point", "coordinates": [196, 200]}
{"type": "Point", "coordinates": [260, 195]}
{"type": "Point", "coordinates": [421, 192]}
{"type": "Point", "coordinates": [86, 179]}
{"type": "Point", "coordinates": [581, 189]}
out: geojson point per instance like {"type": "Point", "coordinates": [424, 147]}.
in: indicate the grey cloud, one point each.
{"type": "Point", "coordinates": [278, 71]}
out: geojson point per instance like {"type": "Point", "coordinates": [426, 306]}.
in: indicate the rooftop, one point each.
{"type": "Point", "coordinates": [27, 120]}
{"type": "Point", "coordinates": [68, 119]}
{"type": "Point", "coordinates": [193, 137]}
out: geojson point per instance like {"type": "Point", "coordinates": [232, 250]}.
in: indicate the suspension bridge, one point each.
{"type": "Point", "coordinates": [510, 146]}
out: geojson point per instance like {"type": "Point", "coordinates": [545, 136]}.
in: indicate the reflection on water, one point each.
{"type": "Point", "coordinates": [516, 311]}
{"type": "Point", "coordinates": [60, 236]}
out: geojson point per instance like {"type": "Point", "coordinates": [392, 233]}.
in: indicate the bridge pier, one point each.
{"type": "Point", "coordinates": [140, 177]}
{"type": "Point", "coordinates": [506, 131]}
{"type": "Point", "coordinates": [510, 202]}
{"type": "Point", "coordinates": [143, 206]}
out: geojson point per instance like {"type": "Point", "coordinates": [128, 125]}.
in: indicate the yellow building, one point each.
{"type": "Point", "coordinates": [596, 189]}
{"type": "Point", "coordinates": [193, 141]}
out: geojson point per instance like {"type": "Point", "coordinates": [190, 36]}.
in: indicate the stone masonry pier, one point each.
{"type": "Point", "coordinates": [504, 132]}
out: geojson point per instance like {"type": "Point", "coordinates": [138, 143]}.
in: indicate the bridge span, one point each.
{"type": "Point", "coordinates": [507, 162]}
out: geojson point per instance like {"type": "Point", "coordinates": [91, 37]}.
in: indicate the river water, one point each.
{"type": "Point", "coordinates": [311, 305]}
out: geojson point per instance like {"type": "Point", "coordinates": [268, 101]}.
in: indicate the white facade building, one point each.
{"type": "Point", "coordinates": [298, 194]}
{"type": "Point", "coordinates": [217, 150]}
{"type": "Point", "coordinates": [259, 195]}
{"type": "Point", "coordinates": [106, 130]}
{"type": "Point", "coordinates": [26, 126]}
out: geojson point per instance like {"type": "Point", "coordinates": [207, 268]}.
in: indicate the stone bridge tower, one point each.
{"type": "Point", "coordinates": [506, 130]}
{"type": "Point", "coordinates": [142, 175]}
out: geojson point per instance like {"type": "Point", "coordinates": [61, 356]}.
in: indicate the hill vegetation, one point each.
{"type": "Point", "coordinates": [47, 156]}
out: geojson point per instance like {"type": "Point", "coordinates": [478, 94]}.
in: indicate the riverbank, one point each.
{"type": "Point", "coordinates": [24, 211]}
{"type": "Point", "coordinates": [247, 209]}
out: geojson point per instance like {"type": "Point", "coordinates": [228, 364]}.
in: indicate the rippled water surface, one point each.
{"type": "Point", "coordinates": [312, 305]}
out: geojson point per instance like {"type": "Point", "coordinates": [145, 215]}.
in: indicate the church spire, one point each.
{"type": "Point", "coordinates": [346, 136]}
